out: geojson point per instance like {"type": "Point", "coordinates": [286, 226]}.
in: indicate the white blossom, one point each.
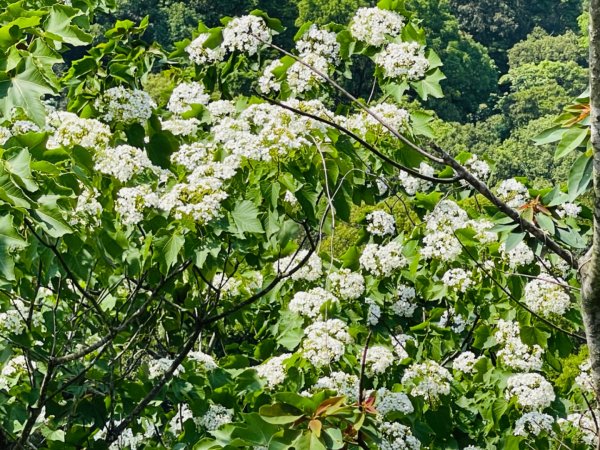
{"type": "Point", "coordinates": [374, 25]}
{"type": "Point", "coordinates": [202, 55]}
{"type": "Point", "coordinates": [397, 437]}
{"type": "Point", "coordinates": [119, 104]}
{"type": "Point", "coordinates": [378, 360]}
{"type": "Point", "coordinates": [381, 223]}
{"type": "Point", "coordinates": [245, 34]}
{"type": "Point", "coordinates": [309, 304]}
{"type": "Point", "coordinates": [532, 390]}
{"type": "Point", "coordinates": [428, 380]}
{"type": "Point", "coordinates": [545, 296]}
{"type": "Point", "coordinates": [514, 353]}
{"type": "Point", "coordinates": [388, 401]}
{"type": "Point", "coordinates": [185, 95]}
{"type": "Point", "coordinates": [215, 417]}
{"type": "Point", "coordinates": [346, 284]}
{"type": "Point", "coordinates": [465, 362]}
{"type": "Point", "coordinates": [273, 371]}
{"type": "Point", "coordinates": [584, 380]}
{"type": "Point", "coordinates": [568, 210]}
{"type": "Point", "coordinates": [403, 60]}
{"type": "Point", "coordinates": [457, 279]}
{"type": "Point", "coordinates": [521, 255]}
{"type": "Point", "coordinates": [181, 127]}
{"type": "Point", "coordinates": [72, 130]}
{"type": "Point", "coordinates": [325, 342]}
{"type": "Point", "coordinates": [131, 203]}
{"type": "Point", "coordinates": [319, 42]}
{"type": "Point", "coordinates": [268, 82]}
{"type": "Point", "coordinates": [382, 260]}
{"type": "Point", "coordinates": [340, 382]}
{"type": "Point", "coordinates": [533, 424]}
{"type": "Point", "coordinates": [405, 305]}
{"type": "Point", "coordinates": [412, 185]}
{"type": "Point", "coordinates": [157, 367]}
{"type": "Point", "coordinates": [206, 360]}
{"type": "Point", "coordinates": [513, 193]}
{"type": "Point", "coordinates": [311, 271]}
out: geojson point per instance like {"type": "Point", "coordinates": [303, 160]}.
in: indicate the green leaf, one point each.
{"type": "Point", "coordinates": [572, 139]}
{"type": "Point", "coordinates": [309, 441]}
{"type": "Point", "coordinates": [9, 240]}
{"type": "Point", "coordinates": [580, 176]}
{"type": "Point", "coordinates": [279, 414]}
{"type": "Point", "coordinates": [168, 248]}
{"type": "Point", "coordinates": [513, 240]}
{"type": "Point", "coordinates": [24, 90]}
{"type": "Point", "coordinates": [430, 86]}
{"type": "Point", "coordinates": [545, 222]}
{"type": "Point", "coordinates": [245, 217]}
{"type": "Point", "coordinates": [19, 166]}
{"type": "Point", "coordinates": [52, 217]}
{"type": "Point", "coordinates": [59, 26]}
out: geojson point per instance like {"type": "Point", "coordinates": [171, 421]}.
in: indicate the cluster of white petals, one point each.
{"type": "Point", "coordinates": [325, 342]}
{"type": "Point", "coordinates": [268, 82]}
{"type": "Point", "coordinates": [465, 362]}
{"type": "Point", "coordinates": [316, 41]}
{"type": "Point", "coordinates": [397, 437]}
{"type": "Point", "coordinates": [412, 185]}
{"type": "Point", "coordinates": [428, 380]}
{"type": "Point", "coordinates": [568, 210]}
{"type": "Point", "coordinates": [380, 223]}
{"type": "Point", "coordinates": [378, 359]}
{"type": "Point", "coordinates": [122, 105]}
{"type": "Point", "coordinates": [388, 401]}
{"type": "Point", "coordinates": [207, 361]}
{"type": "Point", "coordinates": [533, 424]}
{"type": "Point", "coordinates": [458, 280]}
{"type": "Point", "coordinates": [309, 304]}
{"type": "Point", "coordinates": [399, 343]}
{"type": "Point", "coordinates": [122, 162]}
{"type": "Point", "coordinates": [185, 95]}
{"type": "Point", "coordinates": [584, 380]}
{"type": "Point", "coordinates": [346, 284]}
{"type": "Point", "coordinates": [583, 425]}
{"type": "Point", "coordinates": [203, 55]}
{"type": "Point", "coordinates": [521, 255]}
{"type": "Point", "coordinates": [405, 305]}
{"type": "Point", "coordinates": [273, 371]}
{"type": "Point", "coordinates": [513, 193]}
{"type": "Point", "coordinates": [132, 201]}
{"type": "Point", "coordinates": [373, 25]}
{"type": "Point", "coordinates": [301, 78]}
{"type": "Point", "coordinates": [14, 319]}
{"type": "Point", "coordinates": [403, 60]}
{"type": "Point", "coordinates": [245, 34]}
{"type": "Point", "coordinates": [341, 382]}
{"type": "Point", "coordinates": [310, 271]}
{"type": "Point", "coordinates": [546, 296]}
{"type": "Point", "coordinates": [441, 223]}
{"type": "Point", "coordinates": [70, 130]}
{"type": "Point", "coordinates": [478, 167]}
{"type": "Point", "coordinates": [88, 209]}
{"type": "Point", "coordinates": [382, 260]}
{"type": "Point", "coordinates": [215, 417]}
{"type": "Point", "coordinates": [532, 390]}
{"type": "Point", "coordinates": [514, 353]}
{"type": "Point", "coordinates": [157, 367]}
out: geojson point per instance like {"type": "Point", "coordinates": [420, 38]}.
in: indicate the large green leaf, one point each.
{"type": "Point", "coordinates": [572, 139]}
{"type": "Point", "coordinates": [580, 176]}
{"type": "Point", "coordinates": [25, 90]}
{"type": "Point", "coordinates": [59, 26]}
{"type": "Point", "coordinates": [10, 240]}
{"type": "Point", "coordinates": [19, 167]}
{"type": "Point", "coordinates": [168, 248]}
{"type": "Point", "coordinates": [245, 217]}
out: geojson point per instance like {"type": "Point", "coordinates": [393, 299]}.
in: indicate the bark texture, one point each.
{"type": "Point", "coordinates": [590, 265]}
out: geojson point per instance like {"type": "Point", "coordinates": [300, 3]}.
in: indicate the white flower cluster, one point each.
{"type": "Point", "coordinates": [513, 193]}
{"type": "Point", "coordinates": [131, 203]}
{"type": "Point", "coordinates": [70, 130]}
{"type": "Point", "coordinates": [381, 223]}
{"type": "Point", "coordinates": [378, 360]}
{"type": "Point", "coordinates": [309, 304]}
{"type": "Point", "coordinates": [301, 78]}
{"type": "Point", "coordinates": [546, 297]}
{"type": "Point", "coordinates": [482, 229]}
{"type": "Point", "coordinates": [122, 162]}
{"type": "Point", "coordinates": [397, 437]}
{"type": "Point", "coordinates": [373, 313]}
{"type": "Point", "coordinates": [228, 285]}
{"type": "Point", "coordinates": [346, 284]}
{"type": "Point", "coordinates": [267, 81]}
{"type": "Point", "coordinates": [382, 260]}
{"type": "Point", "coordinates": [119, 104]}
{"type": "Point", "coordinates": [374, 25]}
{"type": "Point", "coordinates": [201, 54]}
{"type": "Point", "coordinates": [458, 280]}
{"type": "Point", "coordinates": [185, 95]}
{"type": "Point", "coordinates": [181, 127]}
{"type": "Point", "coordinates": [14, 319]}
{"type": "Point", "coordinates": [403, 60]}
{"type": "Point", "coordinates": [184, 413]}
{"type": "Point", "coordinates": [405, 305]}
{"type": "Point", "coordinates": [533, 424]}
{"type": "Point", "coordinates": [478, 167]}
{"type": "Point", "coordinates": [311, 271]}
{"type": "Point", "coordinates": [215, 417]}
{"type": "Point", "coordinates": [388, 401]}
{"type": "Point", "coordinates": [192, 156]}
{"type": "Point", "coordinates": [393, 116]}
{"type": "Point", "coordinates": [206, 360]}
{"type": "Point", "coordinates": [245, 34]}
{"type": "Point", "coordinates": [319, 42]}
{"type": "Point", "coordinates": [157, 367]}
{"type": "Point", "coordinates": [532, 390]}
{"type": "Point", "coordinates": [5, 135]}
{"type": "Point", "coordinates": [412, 185]}
{"type": "Point", "coordinates": [584, 426]}
{"type": "Point", "coordinates": [521, 255]}
{"type": "Point", "coordinates": [325, 342]}
{"type": "Point", "coordinates": [341, 382]}
{"type": "Point", "coordinates": [88, 209]}
{"type": "Point", "coordinates": [399, 343]}
{"type": "Point", "coordinates": [221, 108]}
{"type": "Point", "coordinates": [568, 210]}
{"type": "Point", "coordinates": [273, 371]}
{"type": "Point", "coordinates": [441, 223]}
{"type": "Point", "coordinates": [584, 380]}
{"type": "Point", "coordinates": [514, 353]}
{"type": "Point", "coordinates": [465, 362]}
{"type": "Point", "coordinates": [452, 319]}
{"type": "Point", "coordinates": [126, 439]}
{"type": "Point", "coordinates": [428, 380]}
{"type": "Point", "coordinates": [24, 127]}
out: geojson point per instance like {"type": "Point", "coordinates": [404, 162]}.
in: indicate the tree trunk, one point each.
{"type": "Point", "coordinates": [590, 269]}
